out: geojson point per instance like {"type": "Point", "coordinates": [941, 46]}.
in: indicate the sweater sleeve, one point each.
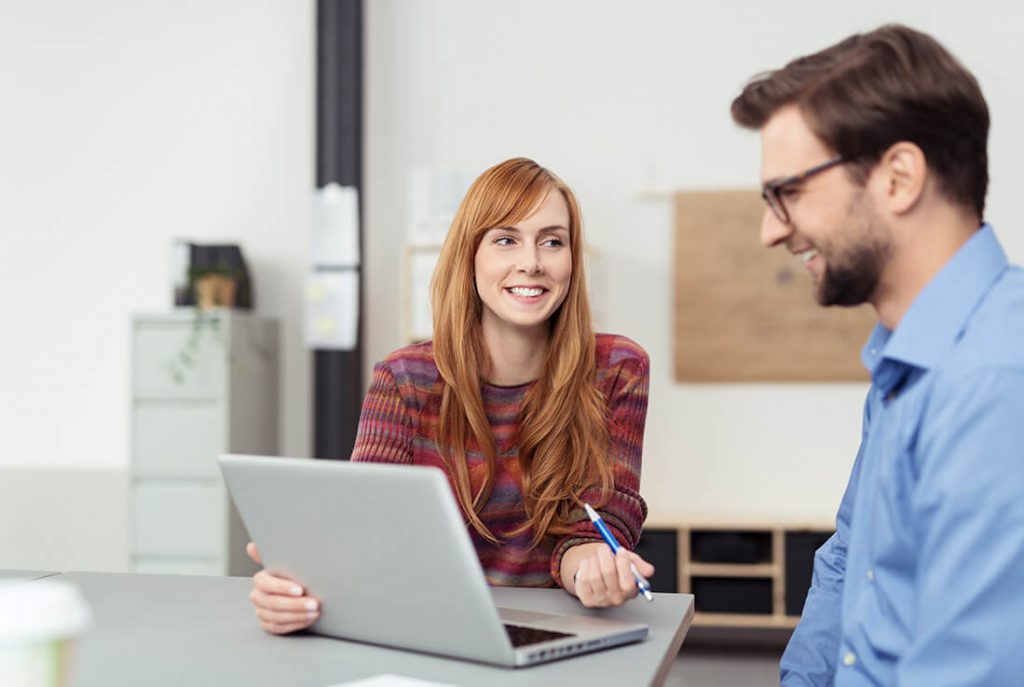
{"type": "Point", "coordinates": [625, 511]}
{"type": "Point", "coordinates": [385, 429]}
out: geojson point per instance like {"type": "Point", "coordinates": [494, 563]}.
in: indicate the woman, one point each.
{"type": "Point", "coordinates": [527, 412]}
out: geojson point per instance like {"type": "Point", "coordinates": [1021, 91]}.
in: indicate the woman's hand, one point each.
{"type": "Point", "coordinates": [600, 578]}
{"type": "Point", "coordinates": [281, 604]}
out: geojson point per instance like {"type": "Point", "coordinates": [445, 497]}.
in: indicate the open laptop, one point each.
{"type": "Point", "coordinates": [385, 549]}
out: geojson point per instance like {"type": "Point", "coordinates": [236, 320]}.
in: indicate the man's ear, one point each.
{"type": "Point", "coordinates": [902, 174]}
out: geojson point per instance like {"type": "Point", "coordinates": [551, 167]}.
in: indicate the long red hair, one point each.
{"type": "Point", "coordinates": [563, 430]}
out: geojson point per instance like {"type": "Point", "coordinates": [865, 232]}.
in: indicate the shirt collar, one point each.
{"type": "Point", "coordinates": [932, 325]}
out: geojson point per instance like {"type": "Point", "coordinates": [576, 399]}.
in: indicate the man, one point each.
{"type": "Point", "coordinates": [875, 171]}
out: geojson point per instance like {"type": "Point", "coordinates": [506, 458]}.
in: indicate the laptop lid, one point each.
{"type": "Point", "coordinates": [386, 550]}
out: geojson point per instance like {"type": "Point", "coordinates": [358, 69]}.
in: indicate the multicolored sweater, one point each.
{"type": "Point", "coordinates": [402, 405]}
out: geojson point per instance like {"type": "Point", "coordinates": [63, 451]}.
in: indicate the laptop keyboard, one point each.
{"type": "Point", "coordinates": [524, 636]}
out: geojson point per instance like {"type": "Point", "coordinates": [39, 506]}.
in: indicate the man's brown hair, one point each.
{"type": "Point", "coordinates": [872, 90]}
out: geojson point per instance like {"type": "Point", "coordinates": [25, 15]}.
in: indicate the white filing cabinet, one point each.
{"type": "Point", "coordinates": [203, 383]}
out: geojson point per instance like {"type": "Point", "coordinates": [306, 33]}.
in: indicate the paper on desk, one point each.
{"type": "Point", "coordinates": [391, 681]}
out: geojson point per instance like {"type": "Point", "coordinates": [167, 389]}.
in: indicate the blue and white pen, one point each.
{"type": "Point", "coordinates": [641, 582]}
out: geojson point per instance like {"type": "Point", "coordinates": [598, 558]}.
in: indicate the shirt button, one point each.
{"type": "Point", "coordinates": [849, 659]}
{"type": "Point", "coordinates": [873, 351]}
{"type": "Point", "coordinates": [871, 574]}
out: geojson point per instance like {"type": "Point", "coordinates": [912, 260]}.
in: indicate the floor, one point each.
{"type": "Point", "coordinates": [724, 668]}
{"type": "Point", "coordinates": [711, 658]}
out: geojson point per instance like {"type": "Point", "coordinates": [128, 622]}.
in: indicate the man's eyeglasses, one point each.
{"type": "Point", "coordinates": [772, 191]}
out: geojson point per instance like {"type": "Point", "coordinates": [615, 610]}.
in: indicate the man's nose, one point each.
{"type": "Point", "coordinates": [773, 230]}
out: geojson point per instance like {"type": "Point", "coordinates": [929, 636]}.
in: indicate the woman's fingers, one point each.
{"type": "Point", "coordinates": [304, 617]}
{"type": "Point", "coordinates": [284, 628]}
{"type": "Point", "coordinates": [606, 579]}
{"type": "Point", "coordinates": [275, 584]}
{"type": "Point", "coordinates": [281, 615]}
{"type": "Point", "coordinates": [597, 584]}
{"type": "Point", "coordinates": [590, 584]}
{"type": "Point", "coordinates": [287, 617]}
{"type": "Point", "coordinates": [627, 583]}
{"type": "Point", "coordinates": [642, 566]}
{"type": "Point", "coordinates": [250, 549]}
{"type": "Point", "coordinates": [610, 576]}
{"type": "Point", "coordinates": [281, 604]}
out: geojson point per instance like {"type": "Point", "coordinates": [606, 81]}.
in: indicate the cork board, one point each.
{"type": "Point", "coordinates": [744, 313]}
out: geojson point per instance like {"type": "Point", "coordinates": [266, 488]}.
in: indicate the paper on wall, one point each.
{"type": "Point", "coordinates": [335, 227]}
{"type": "Point", "coordinates": [332, 310]}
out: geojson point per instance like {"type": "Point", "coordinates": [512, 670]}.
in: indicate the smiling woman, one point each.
{"type": "Point", "coordinates": [522, 275]}
{"type": "Point", "coordinates": [523, 271]}
{"type": "Point", "coordinates": [528, 412]}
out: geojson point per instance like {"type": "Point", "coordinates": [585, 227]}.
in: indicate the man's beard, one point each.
{"type": "Point", "coordinates": [854, 264]}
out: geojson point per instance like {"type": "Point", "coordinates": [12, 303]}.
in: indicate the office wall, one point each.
{"type": "Point", "coordinates": [625, 98]}
{"type": "Point", "coordinates": [63, 519]}
{"type": "Point", "coordinates": [124, 124]}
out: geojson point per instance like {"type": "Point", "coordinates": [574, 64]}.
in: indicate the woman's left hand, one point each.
{"type": "Point", "coordinates": [601, 578]}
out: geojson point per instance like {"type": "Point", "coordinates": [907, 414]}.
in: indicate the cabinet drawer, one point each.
{"type": "Point", "coordinates": [178, 519]}
{"type": "Point", "coordinates": [182, 360]}
{"type": "Point", "coordinates": [177, 440]}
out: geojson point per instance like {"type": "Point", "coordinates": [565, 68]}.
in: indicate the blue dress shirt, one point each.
{"type": "Point", "coordinates": [923, 581]}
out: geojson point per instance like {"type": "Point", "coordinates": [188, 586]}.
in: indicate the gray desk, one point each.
{"type": "Point", "coordinates": [192, 630]}
{"type": "Point", "coordinates": [24, 575]}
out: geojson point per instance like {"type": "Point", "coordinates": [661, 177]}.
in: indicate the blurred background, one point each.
{"type": "Point", "coordinates": [127, 124]}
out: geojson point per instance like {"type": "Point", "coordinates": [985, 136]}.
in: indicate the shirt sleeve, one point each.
{"type": "Point", "coordinates": [625, 511]}
{"type": "Point", "coordinates": [385, 430]}
{"type": "Point", "coordinates": [968, 517]}
{"type": "Point", "coordinates": [810, 656]}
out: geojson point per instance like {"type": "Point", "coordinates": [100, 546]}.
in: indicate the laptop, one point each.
{"type": "Point", "coordinates": [385, 549]}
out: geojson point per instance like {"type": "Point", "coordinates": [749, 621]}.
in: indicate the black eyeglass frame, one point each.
{"type": "Point", "coordinates": [772, 191]}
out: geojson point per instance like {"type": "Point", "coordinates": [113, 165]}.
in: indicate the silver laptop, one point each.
{"type": "Point", "coordinates": [385, 549]}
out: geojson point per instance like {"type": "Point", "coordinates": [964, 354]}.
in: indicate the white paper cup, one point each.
{"type": "Point", "coordinates": [39, 622]}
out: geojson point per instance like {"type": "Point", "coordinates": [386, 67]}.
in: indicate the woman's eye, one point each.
{"type": "Point", "coordinates": [503, 241]}
{"type": "Point", "coordinates": [552, 243]}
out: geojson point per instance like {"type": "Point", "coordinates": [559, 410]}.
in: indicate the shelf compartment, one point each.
{"type": "Point", "coordinates": [660, 547]}
{"type": "Point", "coordinates": [744, 595]}
{"type": "Point", "coordinates": [800, 548]}
{"type": "Point", "coordinates": [730, 546]}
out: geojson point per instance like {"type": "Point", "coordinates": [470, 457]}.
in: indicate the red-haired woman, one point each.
{"type": "Point", "coordinates": [527, 411]}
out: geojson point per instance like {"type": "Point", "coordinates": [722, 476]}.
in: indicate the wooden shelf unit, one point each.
{"type": "Point", "coordinates": [758, 562]}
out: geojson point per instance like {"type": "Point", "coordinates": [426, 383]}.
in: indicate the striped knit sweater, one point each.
{"type": "Point", "coordinates": [402, 405]}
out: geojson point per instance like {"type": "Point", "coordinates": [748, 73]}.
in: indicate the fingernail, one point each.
{"type": "Point", "coordinates": [296, 590]}
{"type": "Point", "coordinates": [311, 605]}
{"type": "Point", "coordinates": [312, 614]}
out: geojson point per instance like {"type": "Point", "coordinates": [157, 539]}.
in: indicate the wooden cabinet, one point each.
{"type": "Point", "coordinates": [752, 574]}
{"type": "Point", "coordinates": [203, 383]}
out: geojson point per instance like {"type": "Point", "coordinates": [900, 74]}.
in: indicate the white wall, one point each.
{"type": "Point", "coordinates": [124, 124]}
{"type": "Point", "coordinates": [621, 98]}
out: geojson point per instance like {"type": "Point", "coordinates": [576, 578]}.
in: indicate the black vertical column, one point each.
{"type": "Point", "coordinates": [339, 158]}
